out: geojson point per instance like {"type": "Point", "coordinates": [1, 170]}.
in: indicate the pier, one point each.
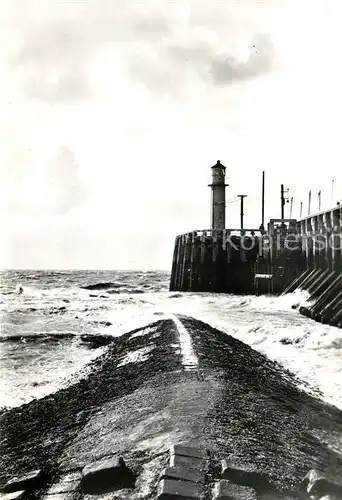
{"type": "Point", "coordinates": [287, 255]}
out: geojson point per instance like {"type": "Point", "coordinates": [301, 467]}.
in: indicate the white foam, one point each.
{"type": "Point", "coordinates": [190, 360]}
{"type": "Point", "coordinates": [136, 356]}
{"type": "Point", "coordinates": [143, 332]}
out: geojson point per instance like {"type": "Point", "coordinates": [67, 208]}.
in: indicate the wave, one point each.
{"type": "Point", "coordinates": [102, 286]}
{"type": "Point", "coordinates": [92, 340]}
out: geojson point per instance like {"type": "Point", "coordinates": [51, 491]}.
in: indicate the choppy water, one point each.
{"type": "Point", "coordinates": [46, 331]}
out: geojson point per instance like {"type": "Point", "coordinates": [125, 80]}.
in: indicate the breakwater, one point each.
{"type": "Point", "coordinates": [245, 415]}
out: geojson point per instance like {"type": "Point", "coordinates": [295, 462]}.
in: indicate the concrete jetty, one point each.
{"type": "Point", "coordinates": [173, 410]}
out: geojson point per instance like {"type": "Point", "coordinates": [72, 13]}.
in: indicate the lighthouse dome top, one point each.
{"type": "Point", "coordinates": [218, 164]}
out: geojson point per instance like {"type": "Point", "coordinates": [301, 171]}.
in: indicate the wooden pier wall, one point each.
{"type": "Point", "coordinates": [291, 255]}
{"type": "Point", "coordinates": [321, 239]}
{"type": "Point", "coordinates": [215, 261]}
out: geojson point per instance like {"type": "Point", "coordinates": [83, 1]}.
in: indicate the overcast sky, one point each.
{"type": "Point", "coordinates": [113, 111]}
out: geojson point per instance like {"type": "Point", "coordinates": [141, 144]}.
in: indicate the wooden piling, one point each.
{"type": "Point", "coordinates": [317, 282]}
{"type": "Point", "coordinates": [330, 310]}
{"type": "Point", "coordinates": [325, 297]}
{"type": "Point", "coordinates": [297, 282]}
{"type": "Point", "coordinates": [174, 265]}
{"type": "Point", "coordinates": [179, 266]}
{"type": "Point", "coordinates": [185, 263]}
{"type": "Point", "coordinates": [324, 281]}
{"type": "Point", "coordinates": [336, 320]}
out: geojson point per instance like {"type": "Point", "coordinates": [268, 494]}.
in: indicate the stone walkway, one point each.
{"type": "Point", "coordinates": [173, 410]}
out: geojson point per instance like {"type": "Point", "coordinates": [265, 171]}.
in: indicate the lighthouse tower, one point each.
{"type": "Point", "coordinates": [218, 194]}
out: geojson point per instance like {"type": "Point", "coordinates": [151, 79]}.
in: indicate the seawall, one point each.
{"type": "Point", "coordinates": [176, 381]}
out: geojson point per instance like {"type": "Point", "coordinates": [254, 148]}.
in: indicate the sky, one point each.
{"type": "Point", "coordinates": [113, 111]}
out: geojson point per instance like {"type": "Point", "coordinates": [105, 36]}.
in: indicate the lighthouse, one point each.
{"type": "Point", "coordinates": [218, 196]}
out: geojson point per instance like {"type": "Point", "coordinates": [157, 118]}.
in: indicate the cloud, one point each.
{"type": "Point", "coordinates": [52, 62]}
{"type": "Point", "coordinates": [161, 48]}
{"type": "Point", "coordinates": [167, 68]}
{"type": "Point", "coordinates": [53, 189]}
{"type": "Point", "coordinates": [227, 69]}
{"type": "Point", "coordinates": [54, 53]}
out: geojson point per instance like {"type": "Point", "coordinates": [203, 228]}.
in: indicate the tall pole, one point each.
{"type": "Point", "coordinates": [309, 207]}
{"type": "Point", "coordinates": [241, 196]}
{"type": "Point", "coordinates": [319, 200]}
{"type": "Point", "coordinates": [332, 191]}
{"type": "Point", "coordinates": [263, 201]}
{"type": "Point", "coordinates": [291, 205]}
{"type": "Point", "coordinates": [301, 210]}
{"type": "Point", "coordinates": [282, 201]}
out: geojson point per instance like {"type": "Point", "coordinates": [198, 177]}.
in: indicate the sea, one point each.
{"type": "Point", "coordinates": [54, 323]}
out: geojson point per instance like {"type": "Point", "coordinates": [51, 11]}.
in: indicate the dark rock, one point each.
{"type": "Point", "coordinates": [186, 451]}
{"type": "Point", "coordinates": [96, 340]}
{"type": "Point", "coordinates": [30, 482]}
{"type": "Point", "coordinates": [106, 475]}
{"type": "Point", "coordinates": [225, 490]}
{"type": "Point", "coordinates": [318, 485]}
{"type": "Point", "coordinates": [171, 490]}
{"type": "Point", "coordinates": [286, 341]}
{"type": "Point", "coordinates": [244, 475]}
{"type": "Point", "coordinates": [187, 462]}
{"type": "Point", "coordinates": [99, 286]}
{"type": "Point", "coordinates": [305, 311]}
{"type": "Point", "coordinates": [182, 474]}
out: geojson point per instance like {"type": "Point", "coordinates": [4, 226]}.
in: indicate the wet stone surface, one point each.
{"type": "Point", "coordinates": [68, 495]}
{"type": "Point", "coordinates": [187, 451]}
{"type": "Point", "coordinates": [63, 487]}
{"type": "Point", "coordinates": [226, 490]}
{"type": "Point", "coordinates": [171, 490]}
{"type": "Point", "coordinates": [244, 474]}
{"type": "Point", "coordinates": [234, 405]}
{"type": "Point", "coordinates": [16, 495]}
{"type": "Point", "coordinates": [106, 475]}
{"type": "Point", "coordinates": [318, 485]}
{"type": "Point", "coordinates": [187, 462]}
{"type": "Point", "coordinates": [182, 474]}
